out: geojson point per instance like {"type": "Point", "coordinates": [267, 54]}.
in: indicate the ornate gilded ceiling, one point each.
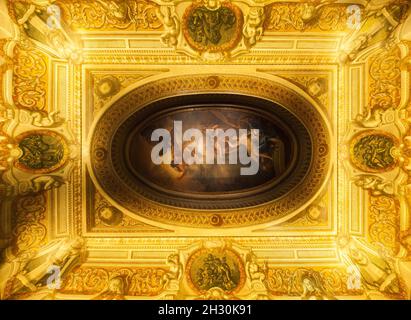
{"type": "Point", "coordinates": [300, 186]}
{"type": "Point", "coordinates": [82, 82]}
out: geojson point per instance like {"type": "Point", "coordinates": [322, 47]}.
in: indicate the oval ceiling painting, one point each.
{"type": "Point", "coordinates": [212, 151]}
{"type": "Point", "coordinates": [191, 152]}
{"type": "Point", "coordinates": [275, 150]}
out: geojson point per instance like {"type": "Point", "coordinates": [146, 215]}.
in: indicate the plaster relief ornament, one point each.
{"type": "Point", "coordinates": [171, 24]}
{"type": "Point", "coordinates": [375, 117]}
{"type": "Point", "coordinates": [116, 10]}
{"type": "Point", "coordinates": [313, 288]}
{"type": "Point", "coordinates": [374, 151]}
{"type": "Point", "coordinates": [171, 279]}
{"type": "Point", "coordinates": [380, 19]}
{"type": "Point", "coordinates": [107, 87]}
{"type": "Point", "coordinates": [253, 26]}
{"type": "Point", "coordinates": [9, 152]}
{"type": "Point", "coordinates": [116, 289]}
{"type": "Point", "coordinates": [110, 216]}
{"type": "Point", "coordinates": [376, 185]}
{"type": "Point", "coordinates": [317, 86]}
{"type": "Point", "coordinates": [216, 294]}
{"type": "Point", "coordinates": [41, 22]}
{"type": "Point", "coordinates": [30, 271]}
{"type": "Point", "coordinates": [377, 273]}
{"type": "Point", "coordinates": [34, 159]}
{"type": "Point", "coordinates": [212, 27]}
{"type": "Point", "coordinates": [256, 275]}
{"type": "Point", "coordinates": [254, 271]}
{"type": "Point", "coordinates": [30, 117]}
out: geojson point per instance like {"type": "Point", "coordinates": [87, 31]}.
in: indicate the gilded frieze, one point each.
{"type": "Point", "coordinates": [323, 283]}
{"type": "Point", "coordinates": [306, 17]}
{"type": "Point", "coordinates": [133, 281]}
{"type": "Point", "coordinates": [131, 15]}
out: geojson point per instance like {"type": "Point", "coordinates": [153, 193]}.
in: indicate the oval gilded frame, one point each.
{"type": "Point", "coordinates": [103, 175]}
{"type": "Point", "coordinates": [235, 39]}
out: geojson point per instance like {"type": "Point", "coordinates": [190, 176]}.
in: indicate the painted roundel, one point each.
{"type": "Point", "coordinates": [374, 151]}
{"type": "Point", "coordinates": [206, 151]}
{"type": "Point", "coordinates": [213, 27]}
{"type": "Point", "coordinates": [42, 151]}
{"type": "Point", "coordinates": [215, 268]}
